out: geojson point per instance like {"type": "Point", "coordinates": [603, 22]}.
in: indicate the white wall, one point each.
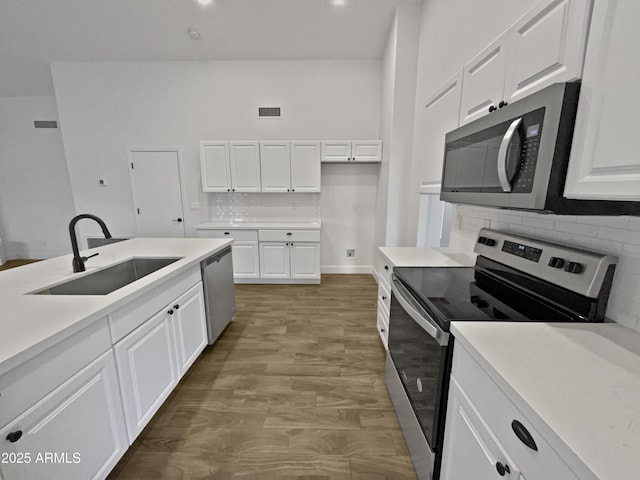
{"type": "Point", "coordinates": [394, 223]}
{"type": "Point", "coordinates": [618, 236]}
{"type": "Point", "coordinates": [35, 194]}
{"type": "Point", "coordinates": [106, 108]}
{"type": "Point", "coordinates": [348, 216]}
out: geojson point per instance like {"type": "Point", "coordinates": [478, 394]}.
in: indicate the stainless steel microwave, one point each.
{"type": "Point", "coordinates": [517, 157]}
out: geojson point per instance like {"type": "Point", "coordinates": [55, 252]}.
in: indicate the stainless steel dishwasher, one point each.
{"type": "Point", "coordinates": [219, 292]}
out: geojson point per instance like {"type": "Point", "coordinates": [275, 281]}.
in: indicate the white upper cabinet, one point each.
{"type": "Point", "coordinates": [336, 151]}
{"type": "Point", "coordinates": [230, 166]}
{"type": "Point", "coordinates": [215, 167]}
{"type": "Point", "coordinates": [438, 117]}
{"type": "Point", "coordinates": [484, 80]}
{"type": "Point", "coordinates": [245, 166]}
{"type": "Point", "coordinates": [275, 166]}
{"type": "Point", "coordinates": [305, 166]}
{"type": "Point", "coordinates": [547, 46]}
{"type": "Point", "coordinates": [604, 163]}
{"type": "Point", "coordinates": [352, 151]}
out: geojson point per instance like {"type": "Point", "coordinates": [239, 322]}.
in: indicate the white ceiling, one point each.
{"type": "Point", "coordinates": [36, 32]}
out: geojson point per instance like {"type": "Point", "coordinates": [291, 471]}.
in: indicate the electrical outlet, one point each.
{"type": "Point", "coordinates": [351, 253]}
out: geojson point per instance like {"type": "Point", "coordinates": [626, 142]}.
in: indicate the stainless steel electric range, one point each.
{"type": "Point", "coordinates": [515, 279]}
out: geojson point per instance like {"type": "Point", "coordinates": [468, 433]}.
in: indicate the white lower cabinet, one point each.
{"type": "Point", "coordinates": [471, 450]}
{"type": "Point", "coordinates": [76, 431]}
{"type": "Point", "coordinates": [148, 372]}
{"type": "Point", "coordinates": [486, 434]}
{"type": "Point", "coordinates": [246, 259]}
{"type": "Point", "coordinates": [189, 327]}
{"type": "Point", "coordinates": [290, 260]}
{"type": "Point", "coordinates": [153, 357]}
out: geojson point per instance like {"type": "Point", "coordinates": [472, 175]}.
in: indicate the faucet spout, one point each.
{"type": "Point", "coordinates": [78, 261]}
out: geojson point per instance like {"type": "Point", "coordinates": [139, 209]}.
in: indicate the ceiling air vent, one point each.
{"type": "Point", "coordinates": [45, 124]}
{"type": "Point", "coordinates": [269, 112]}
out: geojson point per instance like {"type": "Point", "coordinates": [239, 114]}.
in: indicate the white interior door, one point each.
{"type": "Point", "coordinates": [157, 192]}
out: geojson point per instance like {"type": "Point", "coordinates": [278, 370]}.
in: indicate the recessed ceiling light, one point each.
{"type": "Point", "coordinates": [193, 34]}
{"type": "Point", "coordinates": [205, 3]}
{"type": "Point", "coordinates": [338, 3]}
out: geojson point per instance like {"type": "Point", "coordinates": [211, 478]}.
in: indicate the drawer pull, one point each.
{"type": "Point", "coordinates": [289, 234]}
{"type": "Point", "coordinates": [13, 437]}
{"type": "Point", "coordinates": [502, 469]}
{"type": "Point", "coordinates": [523, 434]}
{"type": "Point", "coordinates": [227, 233]}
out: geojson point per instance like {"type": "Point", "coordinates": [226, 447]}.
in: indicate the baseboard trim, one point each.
{"type": "Point", "coordinates": [347, 269]}
{"type": "Point", "coordinates": [274, 281]}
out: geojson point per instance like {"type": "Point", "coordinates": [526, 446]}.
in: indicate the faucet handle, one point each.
{"type": "Point", "coordinates": [84, 259]}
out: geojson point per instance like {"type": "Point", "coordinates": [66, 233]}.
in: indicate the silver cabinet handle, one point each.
{"type": "Point", "coordinates": [503, 155]}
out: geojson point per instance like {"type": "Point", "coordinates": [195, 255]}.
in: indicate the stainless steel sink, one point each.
{"type": "Point", "coordinates": [110, 279]}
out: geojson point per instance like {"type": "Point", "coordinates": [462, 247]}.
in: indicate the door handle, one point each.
{"type": "Point", "coordinates": [503, 155]}
{"type": "Point", "coordinates": [179, 220]}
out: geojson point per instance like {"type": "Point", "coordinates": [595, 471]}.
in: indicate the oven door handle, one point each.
{"type": "Point", "coordinates": [503, 155]}
{"type": "Point", "coordinates": [418, 314]}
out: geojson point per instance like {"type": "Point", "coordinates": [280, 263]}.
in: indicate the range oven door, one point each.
{"type": "Point", "coordinates": [418, 348]}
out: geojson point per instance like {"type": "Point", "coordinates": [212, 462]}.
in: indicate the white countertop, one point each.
{"type": "Point", "coordinates": [259, 225]}
{"type": "Point", "coordinates": [32, 323]}
{"type": "Point", "coordinates": [578, 384]}
{"type": "Point", "coordinates": [427, 257]}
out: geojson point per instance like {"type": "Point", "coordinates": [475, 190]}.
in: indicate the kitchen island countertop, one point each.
{"type": "Point", "coordinates": [578, 384]}
{"type": "Point", "coordinates": [32, 323]}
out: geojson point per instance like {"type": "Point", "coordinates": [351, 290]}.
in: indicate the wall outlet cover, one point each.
{"type": "Point", "coordinates": [351, 253]}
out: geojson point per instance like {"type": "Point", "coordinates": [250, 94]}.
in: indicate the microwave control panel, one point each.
{"type": "Point", "coordinates": [529, 146]}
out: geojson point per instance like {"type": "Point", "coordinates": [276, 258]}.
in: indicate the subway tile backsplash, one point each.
{"type": "Point", "coordinates": [618, 236]}
{"type": "Point", "coordinates": [264, 207]}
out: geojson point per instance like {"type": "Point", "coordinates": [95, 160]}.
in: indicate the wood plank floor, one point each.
{"type": "Point", "coordinates": [294, 389]}
{"type": "Point", "coordinates": [16, 263]}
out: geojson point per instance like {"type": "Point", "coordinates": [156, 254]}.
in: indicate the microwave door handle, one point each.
{"type": "Point", "coordinates": [503, 155]}
{"type": "Point", "coordinates": [418, 314]}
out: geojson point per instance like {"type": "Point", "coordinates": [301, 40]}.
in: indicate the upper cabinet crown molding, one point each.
{"type": "Point", "coordinates": [545, 46]}
{"type": "Point", "coordinates": [604, 163]}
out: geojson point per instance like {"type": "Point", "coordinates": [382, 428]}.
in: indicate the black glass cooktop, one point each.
{"type": "Point", "coordinates": [463, 294]}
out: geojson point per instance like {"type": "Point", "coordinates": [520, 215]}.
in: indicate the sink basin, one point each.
{"type": "Point", "coordinates": [110, 279]}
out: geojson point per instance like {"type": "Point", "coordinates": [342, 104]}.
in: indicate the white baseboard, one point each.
{"type": "Point", "coordinates": [276, 280]}
{"type": "Point", "coordinates": [347, 269]}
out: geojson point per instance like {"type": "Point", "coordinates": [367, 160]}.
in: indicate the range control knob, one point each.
{"type": "Point", "coordinates": [573, 267]}
{"type": "Point", "coordinates": [490, 242]}
{"type": "Point", "coordinates": [556, 262]}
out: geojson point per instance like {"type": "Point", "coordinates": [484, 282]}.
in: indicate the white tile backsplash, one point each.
{"type": "Point", "coordinates": [619, 236]}
{"type": "Point", "coordinates": [264, 207]}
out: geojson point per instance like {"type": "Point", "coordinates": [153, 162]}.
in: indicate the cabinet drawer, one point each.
{"type": "Point", "coordinates": [498, 411]}
{"type": "Point", "coordinates": [384, 270]}
{"type": "Point", "coordinates": [25, 385]}
{"type": "Point", "coordinates": [384, 296]}
{"type": "Point", "coordinates": [138, 311]}
{"type": "Point", "coordinates": [289, 235]}
{"type": "Point", "coordinates": [383, 325]}
{"type": "Point", "coordinates": [246, 235]}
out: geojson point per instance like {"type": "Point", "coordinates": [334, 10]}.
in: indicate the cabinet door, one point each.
{"type": "Point", "coordinates": [483, 80]}
{"type": "Point", "coordinates": [81, 422]}
{"type": "Point", "coordinates": [190, 327]}
{"type": "Point", "coordinates": [274, 260]}
{"type": "Point", "coordinates": [547, 46]}
{"type": "Point", "coordinates": [245, 166]}
{"type": "Point", "coordinates": [275, 166]}
{"type": "Point", "coordinates": [246, 259]}
{"type": "Point", "coordinates": [604, 163]}
{"type": "Point", "coordinates": [215, 167]}
{"type": "Point", "coordinates": [147, 369]}
{"type": "Point", "coordinates": [305, 260]}
{"type": "Point", "coordinates": [439, 116]}
{"type": "Point", "coordinates": [305, 166]}
{"type": "Point", "coordinates": [366, 151]}
{"type": "Point", "coordinates": [470, 450]}
{"type": "Point", "coordinates": [336, 151]}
